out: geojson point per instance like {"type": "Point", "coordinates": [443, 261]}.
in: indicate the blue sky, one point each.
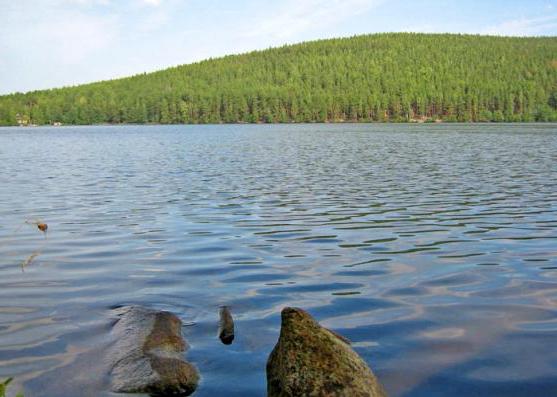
{"type": "Point", "coordinates": [51, 43]}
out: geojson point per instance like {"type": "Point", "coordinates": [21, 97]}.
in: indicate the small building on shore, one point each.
{"type": "Point", "coordinates": [22, 120]}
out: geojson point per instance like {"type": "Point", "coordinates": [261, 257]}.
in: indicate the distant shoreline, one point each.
{"type": "Point", "coordinates": [288, 123]}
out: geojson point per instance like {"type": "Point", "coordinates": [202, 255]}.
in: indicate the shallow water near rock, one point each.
{"type": "Point", "coordinates": [433, 248]}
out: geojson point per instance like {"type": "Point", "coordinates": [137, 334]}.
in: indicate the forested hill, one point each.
{"type": "Point", "coordinates": [381, 77]}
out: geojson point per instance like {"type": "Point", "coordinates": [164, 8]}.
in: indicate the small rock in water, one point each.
{"type": "Point", "coordinates": [309, 360]}
{"type": "Point", "coordinates": [226, 326]}
{"type": "Point", "coordinates": [147, 356]}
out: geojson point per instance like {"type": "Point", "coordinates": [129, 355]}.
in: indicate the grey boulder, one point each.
{"type": "Point", "coordinates": [147, 356]}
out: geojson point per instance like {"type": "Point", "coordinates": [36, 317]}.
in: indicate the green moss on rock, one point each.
{"type": "Point", "coordinates": [309, 360]}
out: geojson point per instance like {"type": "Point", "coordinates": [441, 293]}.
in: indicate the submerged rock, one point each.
{"type": "Point", "coordinates": [226, 326]}
{"type": "Point", "coordinates": [309, 360]}
{"type": "Point", "coordinates": [147, 356]}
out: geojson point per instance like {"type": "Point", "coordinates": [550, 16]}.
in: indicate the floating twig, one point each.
{"type": "Point", "coordinates": [30, 259]}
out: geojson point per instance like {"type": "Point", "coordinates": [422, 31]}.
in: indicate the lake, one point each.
{"type": "Point", "coordinates": [433, 248]}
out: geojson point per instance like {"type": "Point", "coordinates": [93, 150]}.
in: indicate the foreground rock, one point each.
{"type": "Point", "coordinates": [309, 360]}
{"type": "Point", "coordinates": [148, 354]}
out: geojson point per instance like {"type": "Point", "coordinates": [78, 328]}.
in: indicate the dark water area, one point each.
{"type": "Point", "coordinates": [433, 248]}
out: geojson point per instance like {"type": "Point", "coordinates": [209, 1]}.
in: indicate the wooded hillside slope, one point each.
{"type": "Point", "coordinates": [379, 77]}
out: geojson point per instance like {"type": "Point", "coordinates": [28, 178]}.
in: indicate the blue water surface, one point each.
{"type": "Point", "coordinates": [433, 248]}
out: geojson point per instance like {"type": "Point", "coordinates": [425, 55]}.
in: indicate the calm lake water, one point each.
{"type": "Point", "coordinates": [432, 247]}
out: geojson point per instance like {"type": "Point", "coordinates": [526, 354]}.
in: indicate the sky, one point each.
{"type": "Point", "coordinates": [53, 43]}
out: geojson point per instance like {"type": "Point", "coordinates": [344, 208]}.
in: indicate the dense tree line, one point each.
{"type": "Point", "coordinates": [382, 77]}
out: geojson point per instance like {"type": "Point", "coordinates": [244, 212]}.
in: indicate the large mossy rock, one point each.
{"type": "Point", "coordinates": [309, 360]}
{"type": "Point", "coordinates": [147, 356]}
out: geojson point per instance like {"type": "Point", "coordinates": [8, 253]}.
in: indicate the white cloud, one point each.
{"type": "Point", "coordinates": [294, 17]}
{"type": "Point", "coordinates": [58, 33]}
{"type": "Point", "coordinates": [50, 44]}
{"type": "Point", "coordinates": [87, 2]}
{"type": "Point", "coordinates": [107, 2]}
{"type": "Point", "coordinates": [423, 28]}
{"type": "Point", "coordinates": [74, 37]}
{"type": "Point", "coordinates": [516, 27]}
{"type": "Point", "coordinates": [523, 26]}
{"type": "Point", "coordinates": [152, 2]}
